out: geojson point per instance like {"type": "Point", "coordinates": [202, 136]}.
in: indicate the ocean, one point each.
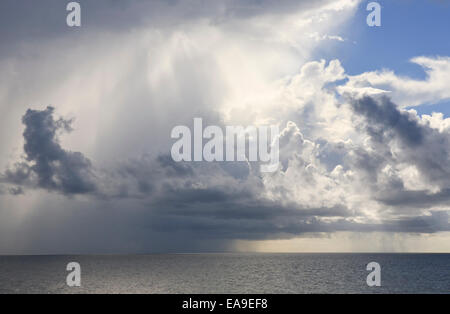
{"type": "Point", "coordinates": [227, 273]}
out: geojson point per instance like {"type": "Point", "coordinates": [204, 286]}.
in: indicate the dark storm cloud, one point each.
{"type": "Point", "coordinates": [284, 224]}
{"type": "Point", "coordinates": [421, 145]}
{"type": "Point", "coordinates": [416, 199]}
{"type": "Point", "coordinates": [233, 203]}
{"type": "Point", "coordinates": [48, 165]}
{"type": "Point", "coordinates": [398, 137]}
{"type": "Point", "coordinates": [384, 119]}
{"type": "Point", "coordinates": [437, 221]}
{"type": "Point", "coordinates": [236, 215]}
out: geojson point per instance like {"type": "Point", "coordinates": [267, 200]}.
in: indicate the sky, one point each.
{"type": "Point", "coordinates": [86, 115]}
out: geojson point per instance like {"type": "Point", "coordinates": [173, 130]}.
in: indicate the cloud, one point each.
{"type": "Point", "coordinates": [324, 186]}
{"type": "Point", "coordinates": [406, 143]}
{"type": "Point", "coordinates": [48, 165]}
{"type": "Point", "coordinates": [384, 121]}
{"type": "Point", "coordinates": [405, 91]}
{"type": "Point", "coordinates": [16, 191]}
{"type": "Point", "coordinates": [326, 37]}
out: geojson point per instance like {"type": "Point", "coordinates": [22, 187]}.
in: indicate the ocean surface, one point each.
{"type": "Point", "coordinates": [227, 273]}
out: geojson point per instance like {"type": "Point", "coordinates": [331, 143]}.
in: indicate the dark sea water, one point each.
{"type": "Point", "coordinates": [227, 273]}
